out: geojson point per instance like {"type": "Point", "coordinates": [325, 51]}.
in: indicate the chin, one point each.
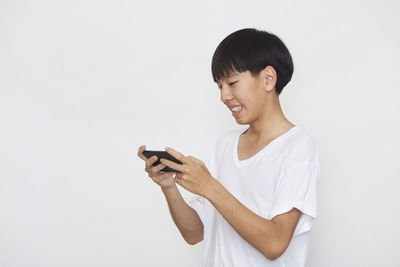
{"type": "Point", "coordinates": [241, 122]}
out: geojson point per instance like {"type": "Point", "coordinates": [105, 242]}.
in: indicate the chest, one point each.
{"type": "Point", "coordinates": [254, 182]}
{"type": "Point", "coordinates": [247, 148]}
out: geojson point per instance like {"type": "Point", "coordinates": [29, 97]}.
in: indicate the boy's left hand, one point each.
{"type": "Point", "coordinates": [195, 176]}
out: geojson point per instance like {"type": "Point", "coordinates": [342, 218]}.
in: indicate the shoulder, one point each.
{"type": "Point", "coordinates": [302, 139]}
{"type": "Point", "coordinates": [300, 147]}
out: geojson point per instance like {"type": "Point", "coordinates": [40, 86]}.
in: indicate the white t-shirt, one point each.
{"type": "Point", "coordinates": [279, 177]}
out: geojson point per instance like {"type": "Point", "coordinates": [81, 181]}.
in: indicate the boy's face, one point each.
{"type": "Point", "coordinates": [251, 93]}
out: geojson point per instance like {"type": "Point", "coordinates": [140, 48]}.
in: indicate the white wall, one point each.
{"type": "Point", "coordinates": [84, 83]}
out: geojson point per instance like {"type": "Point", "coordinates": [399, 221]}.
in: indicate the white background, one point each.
{"type": "Point", "coordinates": [84, 83]}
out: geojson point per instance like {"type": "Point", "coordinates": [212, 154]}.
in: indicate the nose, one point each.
{"type": "Point", "coordinates": [226, 95]}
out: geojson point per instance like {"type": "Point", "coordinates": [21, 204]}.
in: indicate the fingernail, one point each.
{"type": "Point", "coordinates": [167, 148]}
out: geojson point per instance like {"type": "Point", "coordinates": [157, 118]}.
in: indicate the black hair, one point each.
{"type": "Point", "coordinates": [253, 50]}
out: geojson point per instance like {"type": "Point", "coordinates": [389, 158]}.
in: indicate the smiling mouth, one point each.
{"type": "Point", "coordinates": [236, 111]}
{"type": "Point", "coordinates": [237, 108]}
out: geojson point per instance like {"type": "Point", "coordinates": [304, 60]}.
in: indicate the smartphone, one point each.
{"type": "Point", "coordinates": [162, 155]}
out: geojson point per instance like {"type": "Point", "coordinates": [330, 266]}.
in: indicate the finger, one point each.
{"type": "Point", "coordinates": [150, 161]}
{"type": "Point", "coordinates": [157, 168]}
{"type": "Point", "coordinates": [140, 152]}
{"type": "Point", "coordinates": [173, 165]}
{"type": "Point", "coordinates": [176, 154]}
{"type": "Point", "coordinates": [193, 159]}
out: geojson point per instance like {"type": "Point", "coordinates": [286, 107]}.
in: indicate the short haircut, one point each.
{"type": "Point", "coordinates": [253, 50]}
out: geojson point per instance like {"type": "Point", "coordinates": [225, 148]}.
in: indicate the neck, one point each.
{"type": "Point", "coordinates": [271, 123]}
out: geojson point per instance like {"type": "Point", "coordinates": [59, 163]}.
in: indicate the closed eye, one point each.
{"type": "Point", "coordinates": [230, 84]}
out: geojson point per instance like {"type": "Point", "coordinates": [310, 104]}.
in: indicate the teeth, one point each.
{"type": "Point", "coordinates": [237, 108]}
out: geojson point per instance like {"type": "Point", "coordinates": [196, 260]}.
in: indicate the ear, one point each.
{"type": "Point", "coordinates": [270, 77]}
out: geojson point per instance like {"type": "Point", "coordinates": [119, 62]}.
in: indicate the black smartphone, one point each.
{"type": "Point", "coordinates": [162, 155]}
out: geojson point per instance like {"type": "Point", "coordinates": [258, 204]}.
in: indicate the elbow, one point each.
{"type": "Point", "coordinates": [193, 242]}
{"type": "Point", "coordinates": [273, 252]}
{"type": "Point", "coordinates": [193, 238]}
{"type": "Point", "coordinates": [271, 256]}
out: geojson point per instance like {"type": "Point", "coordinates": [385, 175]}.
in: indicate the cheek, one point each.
{"type": "Point", "coordinates": [241, 95]}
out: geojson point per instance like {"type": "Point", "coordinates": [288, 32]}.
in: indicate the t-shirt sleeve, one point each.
{"type": "Point", "coordinates": [198, 202]}
{"type": "Point", "coordinates": [297, 188]}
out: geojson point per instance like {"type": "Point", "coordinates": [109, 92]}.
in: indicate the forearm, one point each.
{"type": "Point", "coordinates": [257, 231]}
{"type": "Point", "coordinates": [184, 217]}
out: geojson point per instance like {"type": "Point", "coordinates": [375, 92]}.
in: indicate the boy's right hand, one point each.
{"type": "Point", "coordinates": [163, 179]}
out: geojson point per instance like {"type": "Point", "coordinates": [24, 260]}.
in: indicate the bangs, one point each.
{"type": "Point", "coordinates": [236, 53]}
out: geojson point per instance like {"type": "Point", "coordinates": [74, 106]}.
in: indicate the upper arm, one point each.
{"type": "Point", "coordinates": [285, 225]}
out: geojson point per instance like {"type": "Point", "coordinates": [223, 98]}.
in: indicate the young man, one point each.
{"type": "Point", "coordinates": [256, 203]}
